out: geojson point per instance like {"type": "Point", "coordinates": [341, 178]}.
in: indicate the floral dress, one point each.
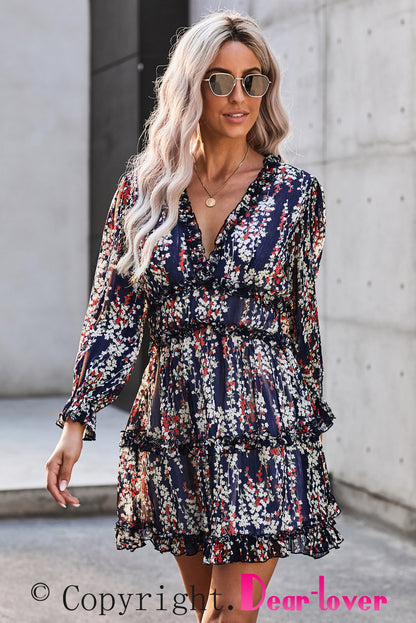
{"type": "Point", "coordinates": [222, 451]}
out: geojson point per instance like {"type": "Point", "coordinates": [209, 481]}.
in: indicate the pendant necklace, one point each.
{"type": "Point", "coordinates": [211, 201]}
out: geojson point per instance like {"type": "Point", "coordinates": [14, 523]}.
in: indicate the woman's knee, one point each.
{"type": "Point", "coordinates": [224, 603]}
{"type": "Point", "coordinates": [225, 614]}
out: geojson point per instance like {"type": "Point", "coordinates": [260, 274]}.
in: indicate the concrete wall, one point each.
{"type": "Point", "coordinates": [349, 87]}
{"type": "Point", "coordinates": [44, 108]}
{"type": "Point", "coordinates": [370, 306]}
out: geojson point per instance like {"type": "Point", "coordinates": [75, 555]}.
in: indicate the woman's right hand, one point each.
{"type": "Point", "coordinates": [62, 460]}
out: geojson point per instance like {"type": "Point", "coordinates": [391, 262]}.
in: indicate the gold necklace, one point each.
{"type": "Point", "coordinates": [210, 201]}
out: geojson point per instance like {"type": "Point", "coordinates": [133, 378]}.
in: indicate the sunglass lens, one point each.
{"type": "Point", "coordinates": [256, 85]}
{"type": "Point", "coordinates": [221, 84]}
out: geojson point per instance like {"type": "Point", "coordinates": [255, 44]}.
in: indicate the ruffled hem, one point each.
{"type": "Point", "coordinates": [247, 498]}
{"type": "Point", "coordinates": [309, 430]}
{"type": "Point", "coordinates": [316, 541]}
{"type": "Point", "coordinates": [323, 418]}
{"type": "Point", "coordinates": [81, 414]}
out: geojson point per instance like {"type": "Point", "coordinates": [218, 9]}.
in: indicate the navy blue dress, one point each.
{"type": "Point", "coordinates": [221, 452]}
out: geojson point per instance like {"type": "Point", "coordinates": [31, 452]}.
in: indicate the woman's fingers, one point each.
{"type": "Point", "coordinates": [70, 499]}
{"type": "Point", "coordinates": [52, 473]}
{"type": "Point", "coordinates": [64, 477]}
{"type": "Point", "coordinates": [59, 465]}
{"type": "Point", "coordinates": [58, 476]}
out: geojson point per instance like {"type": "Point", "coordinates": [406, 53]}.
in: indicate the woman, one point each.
{"type": "Point", "coordinates": [217, 242]}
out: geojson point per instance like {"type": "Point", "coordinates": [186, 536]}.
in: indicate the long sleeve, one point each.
{"type": "Point", "coordinates": [113, 326]}
{"type": "Point", "coordinates": [308, 244]}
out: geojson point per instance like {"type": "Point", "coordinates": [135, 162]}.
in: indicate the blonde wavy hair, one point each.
{"type": "Point", "coordinates": [164, 167]}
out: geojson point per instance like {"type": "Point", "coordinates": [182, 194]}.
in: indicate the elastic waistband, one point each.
{"type": "Point", "coordinates": [222, 330]}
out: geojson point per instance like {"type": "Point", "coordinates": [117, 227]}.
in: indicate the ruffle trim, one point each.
{"type": "Point", "coordinates": [79, 413]}
{"type": "Point", "coordinates": [315, 541]}
{"type": "Point", "coordinates": [194, 239]}
{"type": "Point", "coordinates": [219, 328]}
{"type": "Point", "coordinates": [324, 417]}
{"type": "Point", "coordinates": [140, 440]}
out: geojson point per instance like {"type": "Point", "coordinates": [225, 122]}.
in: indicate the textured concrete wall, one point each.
{"type": "Point", "coordinates": [44, 108]}
{"type": "Point", "coordinates": [349, 87]}
{"type": "Point", "coordinates": [369, 155]}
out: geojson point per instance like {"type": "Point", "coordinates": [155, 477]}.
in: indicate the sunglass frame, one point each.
{"type": "Point", "coordinates": [223, 73]}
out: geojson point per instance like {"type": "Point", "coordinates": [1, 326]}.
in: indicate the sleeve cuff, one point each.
{"type": "Point", "coordinates": [80, 414]}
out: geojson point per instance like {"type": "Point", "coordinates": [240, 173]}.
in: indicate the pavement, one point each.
{"type": "Point", "coordinates": [62, 565]}
{"type": "Point", "coordinates": [29, 435]}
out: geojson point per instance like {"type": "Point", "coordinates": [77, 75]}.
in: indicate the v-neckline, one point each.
{"type": "Point", "coordinates": [234, 212]}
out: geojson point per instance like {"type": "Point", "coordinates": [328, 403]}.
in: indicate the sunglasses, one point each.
{"type": "Point", "coordinates": [255, 85]}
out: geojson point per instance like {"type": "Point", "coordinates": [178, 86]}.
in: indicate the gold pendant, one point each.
{"type": "Point", "coordinates": [210, 202]}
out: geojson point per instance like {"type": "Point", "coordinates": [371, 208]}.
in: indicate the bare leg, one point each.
{"type": "Point", "coordinates": [225, 591]}
{"type": "Point", "coordinates": [197, 579]}
{"type": "Point", "coordinates": [215, 587]}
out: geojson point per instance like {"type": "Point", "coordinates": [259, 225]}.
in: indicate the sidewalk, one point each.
{"type": "Point", "coordinates": [28, 437]}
